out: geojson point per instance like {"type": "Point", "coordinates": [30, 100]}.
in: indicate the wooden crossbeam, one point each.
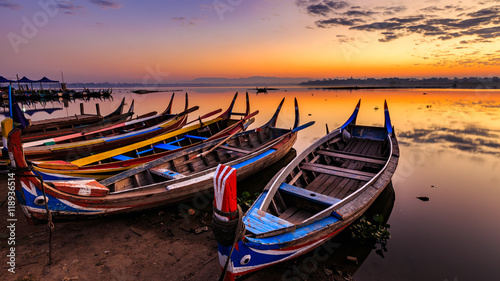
{"type": "Point", "coordinates": [355, 154]}
{"type": "Point", "coordinates": [335, 171]}
{"type": "Point", "coordinates": [351, 157]}
{"type": "Point", "coordinates": [236, 149]}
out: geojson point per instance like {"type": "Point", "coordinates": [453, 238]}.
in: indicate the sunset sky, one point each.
{"type": "Point", "coordinates": [171, 41]}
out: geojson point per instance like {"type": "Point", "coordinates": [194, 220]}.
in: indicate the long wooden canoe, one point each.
{"type": "Point", "coordinates": [321, 192]}
{"type": "Point", "coordinates": [84, 148]}
{"type": "Point", "coordinates": [167, 180]}
{"type": "Point", "coordinates": [51, 128]}
{"type": "Point", "coordinates": [93, 132]}
{"type": "Point", "coordinates": [120, 158]}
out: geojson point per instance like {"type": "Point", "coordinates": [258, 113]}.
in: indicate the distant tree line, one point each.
{"type": "Point", "coordinates": [467, 82]}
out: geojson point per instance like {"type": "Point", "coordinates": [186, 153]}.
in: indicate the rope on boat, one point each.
{"type": "Point", "coordinates": [228, 233]}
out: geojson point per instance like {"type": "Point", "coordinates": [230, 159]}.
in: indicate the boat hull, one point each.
{"type": "Point", "coordinates": [64, 206]}
{"type": "Point", "coordinates": [321, 192]}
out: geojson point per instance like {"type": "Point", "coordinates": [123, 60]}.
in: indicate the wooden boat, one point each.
{"type": "Point", "coordinates": [317, 195]}
{"type": "Point", "coordinates": [167, 180]}
{"type": "Point", "coordinates": [113, 161]}
{"type": "Point", "coordinates": [141, 122]}
{"type": "Point", "coordinates": [95, 141]}
{"type": "Point", "coordinates": [63, 126]}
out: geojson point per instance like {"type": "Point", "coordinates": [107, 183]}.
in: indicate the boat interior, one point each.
{"type": "Point", "coordinates": [206, 157]}
{"type": "Point", "coordinates": [327, 175]}
{"type": "Point", "coordinates": [178, 141]}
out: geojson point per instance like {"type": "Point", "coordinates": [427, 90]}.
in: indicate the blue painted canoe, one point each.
{"type": "Point", "coordinates": [321, 192]}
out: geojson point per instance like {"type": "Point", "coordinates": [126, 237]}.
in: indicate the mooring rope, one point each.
{"type": "Point", "coordinates": [228, 233]}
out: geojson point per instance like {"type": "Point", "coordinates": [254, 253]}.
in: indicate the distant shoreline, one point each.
{"type": "Point", "coordinates": [334, 84]}
{"type": "Point", "coordinates": [493, 87]}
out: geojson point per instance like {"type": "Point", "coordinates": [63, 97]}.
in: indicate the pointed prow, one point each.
{"type": "Point", "coordinates": [118, 111]}
{"type": "Point", "coordinates": [352, 119]}
{"type": "Point", "coordinates": [248, 104]}
{"type": "Point", "coordinates": [272, 121]}
{"type": "Point", "coordinates": [131, 109]}
{"type": "Point", "coordinates": [387, 123]}
{"type": "Point", "coordinates": [169, 107]}
{"type": "Point", "coordinates": [229, 111]}
{"type": "Point", "coordinates": [297, 115]}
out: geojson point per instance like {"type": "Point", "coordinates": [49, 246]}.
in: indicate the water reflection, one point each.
{"type": "Point", "coordinates": [53, 105]}
{"type": "Point", "coordinates": [473, 139]}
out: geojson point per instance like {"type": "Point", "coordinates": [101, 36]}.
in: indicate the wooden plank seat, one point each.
{"type": "Point", "coordinates": [308, 194]}
{"type": "Point", "coordinates": [166, 173]}
{"type": "Point", "coordinates": [166, 146]}
{"type": "Point", "coordinates": [235, 149]}
{"type": "Point", "coordinates": [357, 154]}
{"type": "Point", "coordinates": [335, 171]}
{"type": "Point", "coordinates": [350, 157]}
{"type": "Point", "coordinates": [258, 222]}
{"type": "Point", "coordinates": [121, 158]}
{"type": "Point", "coordinates": [195, 137]}
{"type": "Point", "coordinates": [145, 151]}
{"type": "Point", "coordinates": [163, 146]}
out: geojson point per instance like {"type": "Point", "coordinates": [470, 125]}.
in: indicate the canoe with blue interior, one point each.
{"type": "Point", "coordinates": [141, 122]}
{"type": "Point", "coordinates": [135, 131]}
{"type": "Point", "coordinates": [318, 194]}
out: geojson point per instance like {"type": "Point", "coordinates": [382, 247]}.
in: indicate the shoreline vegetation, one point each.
{"type": "Point", "coordinates": [327, 83]}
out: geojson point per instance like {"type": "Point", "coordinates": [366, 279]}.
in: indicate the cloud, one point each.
{"type": "Point", "coordinates": [68, 7]}
{"type": "Point", "coordinates": [434, 22]}
{"type": "Point", "coordinates": [337, 21]}
{"type": "Point", "coordinates": [491, 32]}
{"type": "Point", "coordinates": [389, 36]}
{"type": "Point", "coordinates": [186, 21]}
{"type": "Point", "coordinates": [8, 5]}
{"type": "Point", "coordinates": [431, 9]}
{"type": "Point", "coordinates": [389, 11]}
{"type": "Point", "coordinates": [490, 11]}
{"type": "Point", "coordinates": [478, 23]}
{"type": "Point", "coordinates": [358, 13]}
{"type": "Point", "coordinates": [105, 4]}
{"type": "Point", "coordinates": [383, 25]}
{"type": "Point", "coordinates": [321, 7]}
{"type": "Point", "coordinates": [336, 5]}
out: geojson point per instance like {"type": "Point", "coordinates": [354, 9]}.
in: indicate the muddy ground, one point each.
{"type": "Point", "coordinates": [160, 244]}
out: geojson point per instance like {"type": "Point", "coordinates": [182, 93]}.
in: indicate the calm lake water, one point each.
{"type": "Point", "coordinates": [450, 152]}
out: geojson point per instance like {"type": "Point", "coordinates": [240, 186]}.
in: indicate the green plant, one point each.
{"type": "Point", "coordinates": [375, 232]}
{"type": "Point", "coordinates": [246, 200]}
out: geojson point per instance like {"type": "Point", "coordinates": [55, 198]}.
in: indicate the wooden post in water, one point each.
{"type": "Point", "coordinates": [82, 111]}
{"type": "Point", "coordinates": [97, 109]}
